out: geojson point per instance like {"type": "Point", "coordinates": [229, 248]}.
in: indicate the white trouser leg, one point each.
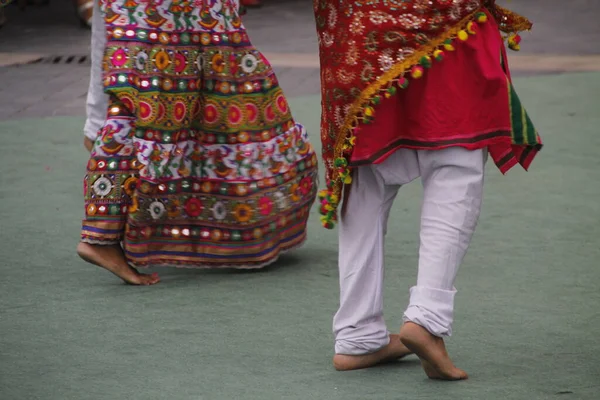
{"type": "Point", "coordinates": [358, 326]}
{"type": "Point", "coordinates": [453, 189]}
{"type": "Point", "coordinates": [97, 101]}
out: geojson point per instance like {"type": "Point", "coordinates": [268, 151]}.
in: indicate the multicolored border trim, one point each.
{"type": "Point", "coordinates": [363, 111]}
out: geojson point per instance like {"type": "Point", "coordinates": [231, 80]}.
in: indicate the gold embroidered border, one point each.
{"type": "Point", "coordinates": [508, 21]}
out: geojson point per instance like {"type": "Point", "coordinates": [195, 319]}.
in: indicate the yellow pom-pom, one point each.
{"type": "Point", "coordinates": [438, 55]}
{"type": "Point", "coordinates": [482, 18]}
{"type": "Point", "coordinates": [348, 179]}
{"type": "Point", "coordinates": [448, 45]}
{"type": "Point", "coordinates": [352, 140]}
{"type": "Point", "coordinates": [463, 35]}
{"type": "Point", "coordinates": [369, 111]}
{"type": "Point", "coordinates": [334, 198]}
{"type": "Point", "coordinates": [471, 28]}
{"type": "Point", "coordinates": [416, 72]}
{"type": "Point", "coordinates": [513, 42]}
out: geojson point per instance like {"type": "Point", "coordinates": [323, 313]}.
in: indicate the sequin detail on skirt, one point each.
{"type": "Point", "coordinates": [199, 162]}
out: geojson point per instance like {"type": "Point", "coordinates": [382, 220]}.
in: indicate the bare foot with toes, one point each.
{"type": "Point", "coordinates": [432, 351]}
{"type": "Point", "coordinates": [393, 351]}
{"type": "Point", "coordinates": [111, 258]}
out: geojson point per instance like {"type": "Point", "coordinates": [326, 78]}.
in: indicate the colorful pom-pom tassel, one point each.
{"type": "Point", "coordinates": [340, 162]}
{"type": "Point", "coordinates": [438, 55]}
{"type": "Point", "coordinates": [513, 42]}
{"type": "Point", "coordinates": [481, 17]}
{"type": "Point", "coordinates": [389, 92]}
{"type": "Point", "coordinates": [416, 72]}
{"type": "Point", "coordinates": [425, 61]}
{"type": "Point", "coordinates": [369, 111]}
{"type": "Point", "coordinates": [471, 28]}
{"type": "Point", "coordinates": [323, 209]}
{"type": "Point", "coordinates": [448, 45]}
{"type": "Point", "coordinates": [402, 83]}
{"type": "Point", "coordinates": [376, 100]}
{"type": "Point", "coordinates": [326, 222]}
{"type": "Point", "coordinates": [463, 35]}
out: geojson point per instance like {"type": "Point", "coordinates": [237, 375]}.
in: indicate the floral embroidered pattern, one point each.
{"type": "Point", "coordinates": [199, 162]}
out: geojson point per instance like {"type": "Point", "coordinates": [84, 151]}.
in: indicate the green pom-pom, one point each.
{"type": "Point", "coordinates": [340, 162]}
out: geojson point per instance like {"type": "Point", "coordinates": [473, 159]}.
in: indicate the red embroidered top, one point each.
{"type": "Point", "coordinates": [370, 51]}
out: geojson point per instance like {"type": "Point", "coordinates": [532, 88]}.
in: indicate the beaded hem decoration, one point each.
{"type": "Point", "coordinates": [362, 110]}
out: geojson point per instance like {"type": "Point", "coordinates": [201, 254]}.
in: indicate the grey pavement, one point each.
{"type": "Point", "coordinates": [282, 27]}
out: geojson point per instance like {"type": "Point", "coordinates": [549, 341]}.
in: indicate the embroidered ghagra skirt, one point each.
{"type": "Point", "coordinates": [199, 162]}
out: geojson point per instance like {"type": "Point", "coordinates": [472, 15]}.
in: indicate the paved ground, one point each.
{"type": "Point", "coordinates": [527, 312]}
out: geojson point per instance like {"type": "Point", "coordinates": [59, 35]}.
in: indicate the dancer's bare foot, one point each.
{"type": "Point", "coordinates": [432, 352]}
{"type": "Point", "coordinates": [111, 257]}
{"type": "Point", "coordinates": [88, 143]}
{"type": "Point", "coordinates": [393, 351]}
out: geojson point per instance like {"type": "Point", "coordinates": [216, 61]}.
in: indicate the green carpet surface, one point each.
{"type": "Point", "coordinates": [527, 311]}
